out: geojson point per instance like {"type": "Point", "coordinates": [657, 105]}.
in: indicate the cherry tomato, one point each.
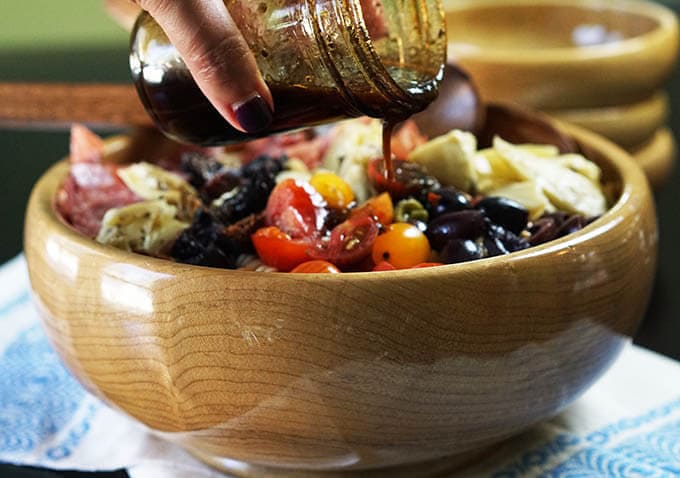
{"type": "Point", "coordinates": [350, 242]}
{"type": "Point", "coordinates": [295, 208]}
{"type": "Point", "coordinates": [333, 189]}
{"type": "Point", "coordinates": [403, 245]}
{"type": "Point", "coordinates": [384, 266]}
{"type": "Point", "coordinates": [316, 267]}
{"type": "Point", "coordinates": [380, 207]}
{"type": "Point", "coordinates": [277, 249]}
{"type": "Point", "coordinates": [410, 178]}
{"type": "Point", "coordinates": [406, 139]}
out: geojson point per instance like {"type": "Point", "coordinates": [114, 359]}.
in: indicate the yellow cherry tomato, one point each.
{"type": "Point", "coordinates": [333, 188]}
{"type": "Point", "coordinates": [403, 245]}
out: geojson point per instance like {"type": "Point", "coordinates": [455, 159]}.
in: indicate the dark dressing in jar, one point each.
{"type": "Point", "coordinates": [323, 61]}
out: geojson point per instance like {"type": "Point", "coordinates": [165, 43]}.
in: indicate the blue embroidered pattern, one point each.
{"type": "Point", "coordinates": [38, 396]}
{"type": "Point", "coordinates": [659, 449]}
{"type": "Point", "coordinates": [654, 453]}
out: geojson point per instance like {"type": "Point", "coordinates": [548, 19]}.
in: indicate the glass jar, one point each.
{"type": "Point", "coordinates": [323, 60]}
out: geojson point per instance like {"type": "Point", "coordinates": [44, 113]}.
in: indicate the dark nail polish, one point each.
{"type": "Point", "coordinates": [254, 114]}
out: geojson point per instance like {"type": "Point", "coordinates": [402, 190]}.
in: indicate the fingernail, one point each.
{"type": "Point", "coordinates": [253, 113]}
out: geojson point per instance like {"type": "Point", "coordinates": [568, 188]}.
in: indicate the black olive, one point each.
{"type": "Point", "coordinates": [499, 240]}
{"type": "Point", "coordinates": [263, 166]}
{"type": "Point", "coordinates": [200, 168]}
{"type": "Point", "coordinates": [204, 244]}
{"type": "Point", "coordinates": [468, 224]}
{"type": "Point", "coordinates": [443, 200]}
{"type": "Point", "coordinates": [560, 217]}
{"type": "Point", "coordinates": [250, 196]}
{"type": "Point", "coordinates": [505, 212]}
{"type": "Point", "coordinates": [461, 250]}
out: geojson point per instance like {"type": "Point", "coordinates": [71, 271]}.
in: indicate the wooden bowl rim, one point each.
{"type": "Point", "coordinates": [665, 19]}
{"type": "Point", "coordinates": [657, 156]}
{"type": "Point", "coordinates": [633, 192]}
{"type": "Point", "coordinates": [658, 103]}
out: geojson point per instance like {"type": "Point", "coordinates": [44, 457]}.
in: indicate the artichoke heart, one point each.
{"type": "Point", "coordinates": [152, 182]}
{"type": "Point", "coordinates": [449, 158]}
{"type": "Point", "coordinates": [148, 227]}
{"type": "Point", "coordinates": [564, 185]}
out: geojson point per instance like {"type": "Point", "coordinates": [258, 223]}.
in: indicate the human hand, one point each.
{"type": "Point", "coordinates": [218, 58]}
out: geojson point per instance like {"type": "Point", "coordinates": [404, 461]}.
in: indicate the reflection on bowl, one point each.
{"type": "Point", "coordinates": [347, 372]}
{"type": "Point", "coordinates": [552, 54]}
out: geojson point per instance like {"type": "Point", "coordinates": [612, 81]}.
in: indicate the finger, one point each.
{"type": "Point", "coordinates": [218, 57]}
{"type": "Point", "coordinates": [123, 12]}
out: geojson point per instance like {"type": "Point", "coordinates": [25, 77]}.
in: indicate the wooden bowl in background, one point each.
{"type": "Point", "coordinates": [557, 54]}
{"type": "Point", "coordinates": [269, 374]}
{"type": "Point", "coordinates": [628, 126]}
{"type": "Point", "coordinates": [657, 157]}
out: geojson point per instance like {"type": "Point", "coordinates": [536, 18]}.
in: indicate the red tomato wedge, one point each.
{"type": "Point", "coordinates": [380, 207]}
{"type": "Point", "coordinates": [277, 249]}
{"type": "Point", "coordinates": [350, 242]}
{"type": "Point", "coordinates": [296, 209]}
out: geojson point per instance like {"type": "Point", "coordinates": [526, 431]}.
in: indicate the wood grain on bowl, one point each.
{"type": "Point", "coordinates": [347, 372]}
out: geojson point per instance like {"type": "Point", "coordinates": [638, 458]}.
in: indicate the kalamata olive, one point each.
{"type": "Point", "coordinates": [543, 230]}
{"type": "Point", "coordinates": [499, 240]}
{"type": "Point", "coordinates": [505, 212]}
{"type": "Point", "coordinates": [560, 217]}
{"type": "Point", "coordinates": [445, 199]}
{"type": "Point", "coordinates": [468, 224]}
{"type": "Point", "coordinates": [573, 224]}
{"type": "Point", "coordinates": [461, 250]}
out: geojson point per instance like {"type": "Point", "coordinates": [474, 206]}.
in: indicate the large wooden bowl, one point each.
{"type": "Point", "coordinates": [352, 371]}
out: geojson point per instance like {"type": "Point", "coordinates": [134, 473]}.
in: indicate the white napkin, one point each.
{"type": "Point", "coordinates": [626, 425]}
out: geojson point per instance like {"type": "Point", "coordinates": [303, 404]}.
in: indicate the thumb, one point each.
{"type": "Point", "coordinates": [218, 58]}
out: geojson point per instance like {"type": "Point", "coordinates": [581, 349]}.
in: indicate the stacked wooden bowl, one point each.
{"type": "Point", "coordinates": [600, 65]}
